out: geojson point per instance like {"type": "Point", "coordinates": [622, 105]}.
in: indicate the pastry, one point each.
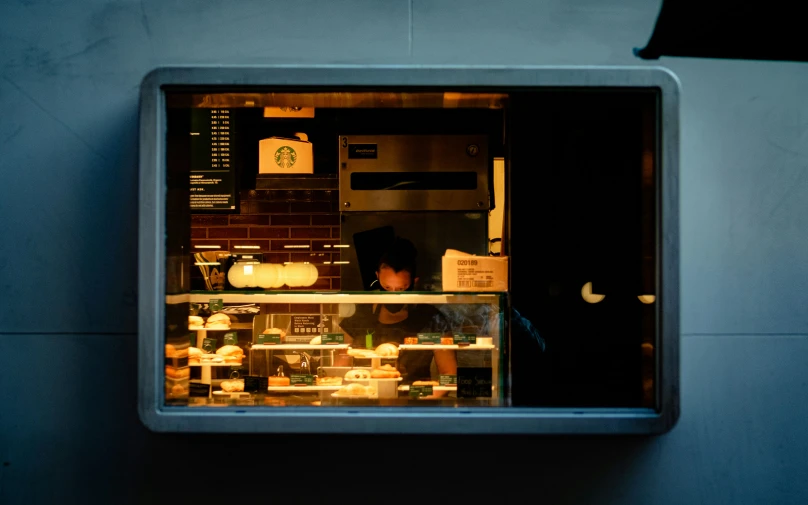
{"type": "Point", "coordinates": [194, 355]}
{"type": "Point", "coordinates": [357, 374]}
{"type": "Point", "coordinates": [218, 321]}
{"type": "Point", "coordinates": [177, 390]}
{"type": "Point", "coordinates": [232, 351]}
{"type": "Point", "coordinates": [211, 358]}
{"type": "Point", "coordinates": [178, 373]}
{"type": "Point", "coordinates": [195, 322]}
{"type": "Point", "coordinates": [274, 331]}
{"type": "Point", "coordinates": [426, 383]}
{"type": "Point", "coordinates": [387, 350]}
{"type": "Point", "coordinates": [233, 386]}
{"type": "Point", "coordinates": [410, 340]}
{"type": "Point", "coordinates": [316, 340]}
{"type": "Point", "coordinates": [446, 341]}
{"type": "Point", "coordinates": [355, 390]}
{"type": "Point", "coordinates": [385, 372]}
{"type": "Point", "coordinates": [170, 351]}
{"type": "Point", "coordinates": [276, 380]}
{"type": "Point", "coordinates": [361, 353]}
{"type": "Point", "coordinates": [329, 381]}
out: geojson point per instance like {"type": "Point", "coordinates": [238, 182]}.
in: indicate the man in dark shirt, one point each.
{"type": "Point", "coordinates": [392, 322]}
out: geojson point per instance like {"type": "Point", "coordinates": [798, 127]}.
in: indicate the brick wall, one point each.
{"type": "Point", "coordinates": [273, 220]}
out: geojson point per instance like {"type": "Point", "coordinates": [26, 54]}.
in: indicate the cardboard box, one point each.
{"type": "Point", "coordinates": [466, 272]}
{"type": "Point", "coordinates": [278, 155]}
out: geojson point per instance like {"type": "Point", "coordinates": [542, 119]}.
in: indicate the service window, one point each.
{"type": "Point", "coordinates": [405, 250]}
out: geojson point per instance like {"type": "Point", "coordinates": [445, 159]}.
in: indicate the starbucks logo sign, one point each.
{"type": "Point", "coordinates": [285, 157]}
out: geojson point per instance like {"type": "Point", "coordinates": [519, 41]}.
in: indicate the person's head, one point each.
{"type": "Point", "coordinates": [396, 270]}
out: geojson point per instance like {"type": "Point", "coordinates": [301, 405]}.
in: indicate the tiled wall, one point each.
{"type": "Point", "coordinates": [273, 220]}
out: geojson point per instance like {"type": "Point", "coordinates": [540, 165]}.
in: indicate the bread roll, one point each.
{"type": "Point", "coordinates": [219, 317]}
{"type": "Point", "coordinates": [387, 350]}
{"type": "Point", "coordinates": [357, 374]}
{"type": "Point", "coordinates": [195, 321]}
{"type": "Point", "coordinates": [230, 350]}
{"type": "Point", "coordinates": [232, 386]}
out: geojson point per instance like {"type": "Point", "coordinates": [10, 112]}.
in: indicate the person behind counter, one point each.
{"type": "Point", "coordinates": [391, 322]}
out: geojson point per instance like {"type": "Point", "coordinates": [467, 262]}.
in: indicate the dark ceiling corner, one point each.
{"type": "Point", "coordinates": [751, 30]}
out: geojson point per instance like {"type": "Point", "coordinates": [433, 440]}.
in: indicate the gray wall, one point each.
{"type": "Point", "coordinates": [69, 431]}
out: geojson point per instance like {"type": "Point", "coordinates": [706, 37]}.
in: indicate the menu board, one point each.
{"type": "Point", "coordinates": [213, 176]}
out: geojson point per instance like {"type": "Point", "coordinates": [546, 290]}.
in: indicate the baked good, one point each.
{"type": "Point", "coordinates": [357, 374]}
{"type": "Point", "coordinates": [195, 322]}
{"type": "Point", "coordinates": [387, 350]}
{"type": "Point", "coordinates": [232, 351]}
{"type": "Point", "coordinates": [329, 381]}
{"type": "Point", "coordinates": [218, 321]}
{"type": "Point", "coordinates": [177, 390]}
{"type": "Point", "coordinates": [385, 372]}
{"type": "Point", "coordinates": [446, 341]}
{"type": "Point", "coordinates": [271, 331]}
{"type": "Point", "coordinates": [178, 373]}
{"type": "Point", "coordinates": [232, 386]}
{"type": "Point", "coordinates": [279, 380]}
{"type": "Point", "coordinates": [361, 353]}
{"type": "Point", "coordinates": [316, 340]}
{"type": "Point", "coordinates": [426, 383]}
{"type": "Point", "coordinates": [410, 340]}
{"type": "Point", "coordinates": [211, 358]}
{"type": "Point", "coordinates": [355, 390]}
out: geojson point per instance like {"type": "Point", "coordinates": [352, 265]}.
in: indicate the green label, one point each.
{"type": "Point", "coordinates": [419, 391]}
{"type": "Point", "coordinates": [464, 338]}
{"type": "Point", "coordinates": [301, 380]}
{"type": "Point", "coordinates": [209, 345]}
{"type": "Point", "coordinates": [269, 338]}
{"type": "Point", "coordinates": [429, 338]}
{"type": "Point", "coordinates": [332, 338]}
{"type": "Point", "coordinates": [216, 304]}
{"type": "Point", "coordinates": [448, 380]}
{"type": "Point", "coordinates": [231, 338]}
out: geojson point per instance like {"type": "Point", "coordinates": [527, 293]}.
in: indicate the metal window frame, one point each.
{"type": "Point", "coordinates": [488, 420]}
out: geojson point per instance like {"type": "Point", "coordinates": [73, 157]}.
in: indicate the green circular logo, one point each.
{"type": "Point", "coordinates": [285, 157]}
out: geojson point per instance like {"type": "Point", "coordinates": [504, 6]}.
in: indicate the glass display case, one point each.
{"type": "Point", "coordinates": [409, 250]}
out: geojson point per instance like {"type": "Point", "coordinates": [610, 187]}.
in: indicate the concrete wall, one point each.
{"type": "Point", "coordinates": [69, 432]}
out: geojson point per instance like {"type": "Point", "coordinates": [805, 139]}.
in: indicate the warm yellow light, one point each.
{"type": "Point", "coordinates": [647, 299]}
{"type": "Point", "coordinates": [589, 296]}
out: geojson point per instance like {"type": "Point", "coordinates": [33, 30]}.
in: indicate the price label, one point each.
{"type": "Point", "coordinates": [255, 384]}
{"type": "Point", "coordinates": [209, 345]}
{"type": "Point", "coordinates": [332, 338]}
{"type": "Point", "coordinates": [429, 338]}
{"type": "Point", "coordinates": [198, 390]}
{"type": "Point", "coordinates": [301, 380]}
{"type": "Point", "coordinates": [231, 338]}
{"type": "Point", "coordinates": [269, 338]}
{"type": "Point", "coordinates": [215, 304]}
{"type": "Point", "coordinates": [447, 380]}
{"type": "Point", "coordinates": [474, 382]}
{"type": "Point", "coordinates": [419, 391]}
{"type": "Point", "coordinates": [464, 338]}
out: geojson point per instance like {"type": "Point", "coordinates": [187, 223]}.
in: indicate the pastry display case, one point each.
{"type": "Point", "coordinates": [358, 249]}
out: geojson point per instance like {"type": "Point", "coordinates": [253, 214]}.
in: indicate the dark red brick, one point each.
{"type": "Point", "coordinates": [279, 245]}
{"type": "Point", "coordinates": [221, 243]}
{"type": "Point", "coordinates": [262, 244]}
{"type": "Point", "coordinates": [320, 245]}
{"type": "Point", "coordinates": [335, 232]}
{"type": "Point", "coordinates": [325, 220]}
{"type": "Point", "coordinates": [270, 208]}
{"type": "Point", "coordinates": [202, 220]}
{"type": "Point", "coordinates": [335, 283]}
{"type": "Point", "coordinates": [275, 308]}
{"type": "Point", "coordinates": [305, 308]}
{"type": "Point", "coordinates": [227, 232]}
{"type": "Point", "coordinates": [269, 232]}
{"type": "Point", "coordinates": [310, 207]}
{"type": "Point", "coordinates": [328, 270]}
{"type": "Point", "coordinates": [291, 219]}
{"type": "Point", "coordinates": [311, 257]}
{"type": "Point", "coordinates": [256, 220]}
{"type": "Point", "coordinates": [199, 232]}
{"type": "Point", "coordinates": [276, 257]}
{"type": "Point", "coordinates": [311, 232]}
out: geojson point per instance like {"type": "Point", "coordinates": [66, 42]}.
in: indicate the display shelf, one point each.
{"type": "Point", "coordinates": [215, 364]}
{"type": "Point", "coordinates": [434, 388]}
{"type": "Point", "coordinates": [313, 347]}
{"type": "Point", "coordinates": [430, 297]}
{"type": "Point", "coordinates": [427, 347]}
{"type": "Point", "coordinates": [233, 327]}
{"type": "Point", "coordinates": [303, 388]}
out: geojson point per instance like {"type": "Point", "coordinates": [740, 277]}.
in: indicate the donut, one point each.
{"type": "Point", "coordinates": [357, 374]}
{"type": "Point", "coordinates": [387, 350]}
{"type": "Point", "coordinates": [279, 381]}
